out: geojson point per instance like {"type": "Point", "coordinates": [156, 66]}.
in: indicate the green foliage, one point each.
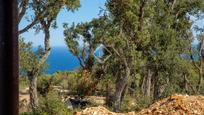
{"type": "Point", "coordinates": [23, 82]}
{"type": "Point", "coordinates": [80, 86]}
{"type": "Point", "coordinates": [46, 10]}
{"type": "Point", "coordinates": [134, 103]}
{"type": "Point", "coordinates": [140, 34]}
{"type": "Point", "coordinates": [72, 81]}
{"type": "Point", "coordinates": [61, 78]}
{"type": "Point", "coordinates": [82, 43]}
{"type": "Point", "coordinates": [26, 113]}
{"type": "Point", "coordinates": [141, 102]}
{"type": "Point", "coordinates": [143, 34]}
{"type": "Point", "coordinates": [28, 57]}
{"type": "Point", "coordinates": [44, 85]}
{"type": "Point", "coordinates": [130, 101]}
{"type": "Point", "coordinates": [52, 105]}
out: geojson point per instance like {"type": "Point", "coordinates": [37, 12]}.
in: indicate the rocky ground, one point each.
{"type": "Point", "coordinates": [173, 105]}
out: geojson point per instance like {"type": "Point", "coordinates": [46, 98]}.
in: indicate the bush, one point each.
{"type": "Point", "coordinates": [75, 83]}
{"type": "Point", "coordinates": [44, 85]}
{"type": "Point", "coordinates": [52, 105]}
{"type": "Point", "coordinates": [23, 82]}
{"type": "Point", "coordinates": [128, 104]}
{"type": "Point", "coordinates": [60, 78]}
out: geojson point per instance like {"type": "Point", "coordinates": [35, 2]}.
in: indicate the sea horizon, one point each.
{"type": "Point", "coordinates": [60, 59]}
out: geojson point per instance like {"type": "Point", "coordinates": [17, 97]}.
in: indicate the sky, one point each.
{"type": "Point", "coordinates": [89, 9]}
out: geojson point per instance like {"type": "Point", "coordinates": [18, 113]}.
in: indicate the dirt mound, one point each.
{"type": "Point", "coordinates": [173, 105]}
{"type": "Point", "coordinates": [177, 105]}
{"type": "Point", "coordinates": [100, 110]}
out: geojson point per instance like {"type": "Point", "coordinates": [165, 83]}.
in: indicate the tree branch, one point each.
{"type": "Point", "coordinates": [200, 51]}
{"type": "Point", "coordinates": [80, 62]}
{"type": "Point", "coordinates": [192, 59]}
{"type": "Point", "coordinates": [141, 15]}
{"type": "Point", "coordinates": [173, 4]}
{"type": "Point", "coordinates": [35, 21]}
{"type": "Point", "coordinates": [23, 6]}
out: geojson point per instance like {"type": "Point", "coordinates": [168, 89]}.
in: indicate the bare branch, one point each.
{"type": "Point", "coordinates": [35, 21]}
{"type": "Point", "coordinates": [23, 6]}
{"type": "Point", "coordinates": [173, 4]}
{"type": "Point", "coordinates": [80, 62]}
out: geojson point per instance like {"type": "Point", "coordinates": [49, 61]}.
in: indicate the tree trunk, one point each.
{"type": "Point", "coordinates": [157, 93]}
{"type": "Point", "coordinates": [147, 83]}
{"type": "Point", "coordinates": [109, 96]}
{"type": "Point", "coordinates": [33, 91]}
{"type": "Point", "coordinates": [107, 93]}
{"type": "Point", "coordinates": [200, 65]}
{"type": "Point", "coordinates": [32, 75]}
{"type": "Point", "coordinates": [123, 93]}
{"type": "Point", "coordinates": [120, 85]}
{"type": "Point", "coordinates": [121, 82]}
{"type": "Point", "coordinates": [159, 88]}
{"type": "Point", "coordinates": [200, 79]}
{"type": "Point", "coordinates": [184, 84]}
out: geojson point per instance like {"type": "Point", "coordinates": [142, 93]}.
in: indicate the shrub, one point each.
{"type": "Point", "coordinates": [23, 82]}
{"type": "Point", "coordinates": [52, 105]}
{"type": "Point", "coordinates": [44, 85]}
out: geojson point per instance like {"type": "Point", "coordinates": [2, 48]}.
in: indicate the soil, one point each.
{"type": "Point", "coordinates": [173, 105]}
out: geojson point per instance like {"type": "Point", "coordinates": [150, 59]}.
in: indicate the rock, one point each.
{"type": "Point", "coordinates": [75, 103]}
{"type": "Point", "coordinates": [96, 100]}
{"type": "Point", "coordinates": [60, 90]}
{"type": "Point", "coordinates": [69, 104]}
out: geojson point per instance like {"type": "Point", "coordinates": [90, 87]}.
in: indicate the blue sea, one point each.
{"type": "Point", "coordinates": [61, 59]}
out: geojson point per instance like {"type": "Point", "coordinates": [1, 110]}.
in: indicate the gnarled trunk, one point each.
{"type": "Point", "coordinates": [32, 75]}
{"type": "Point", "coordinates": [33, 91]}
{"type": "Point", "coordinates": [121, 83]}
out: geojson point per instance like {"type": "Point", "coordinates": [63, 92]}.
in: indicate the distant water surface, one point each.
{"type": "Point", "coordinates": [61, 59]}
